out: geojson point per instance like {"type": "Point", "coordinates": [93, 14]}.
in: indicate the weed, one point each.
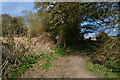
{"type": "Point", "coordinates": [46, 65]}
{"type": "Point", "coordinates": [60, 51]}
{"type": "Point", "coordinates": [103, 72]}
{"type": "Point", "coordinates": [15, 71]}
{"type": "Point", "coordinates": [31, 60]}
{"type": "Point", "coordinates": [52, 57]}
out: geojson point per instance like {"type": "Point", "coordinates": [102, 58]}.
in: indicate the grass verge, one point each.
{"type": "Point", "coordinates": [100, 69]}
{"type": "Point", "coordinates": [50, 58]}
{"type": "Point", "coordinates": [97, 69]}
{"type": "Point", "coordinates": [14, 71]}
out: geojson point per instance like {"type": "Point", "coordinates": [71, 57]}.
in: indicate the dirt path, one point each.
{"type": "Point", "coordinates": [70, 66]}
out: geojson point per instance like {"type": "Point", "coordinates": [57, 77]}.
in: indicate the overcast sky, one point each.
{"type": "Point", "coordinates": [15, 8]}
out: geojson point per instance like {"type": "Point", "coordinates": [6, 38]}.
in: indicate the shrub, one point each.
{"type": "Point", "coordinates": [107, 54]}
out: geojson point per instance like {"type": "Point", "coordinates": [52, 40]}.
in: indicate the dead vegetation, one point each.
{"type": "Point", "coordinates": [42, 44]}
{"type": "Point", "coordinates": [15, 51]}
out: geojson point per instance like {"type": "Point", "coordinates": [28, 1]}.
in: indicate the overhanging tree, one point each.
{"type": "Point", "coordinates": [63, 18]}
{"type": "Point", "coordinates": [66, 17]}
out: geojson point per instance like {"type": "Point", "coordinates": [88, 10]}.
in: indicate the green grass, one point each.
{"type": "Point", "coordinates": [101, 70]}
{"type": "Point", "coordinates": [50, 58]}
{"type": "Point", "coordinates": [15, 71]}
{"type": "Point", "coordinates": [98, 69]}
{"type": "Point", "coordinates": [60, 51]}
{"type": "Point", "coordinates": [46, 65]}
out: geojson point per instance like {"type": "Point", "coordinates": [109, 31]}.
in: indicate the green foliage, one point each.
{"type": "Point", "coordinates": [104, 55]}
{"type": "Point", "coordinates": [5, 23]}
{"type": "Point", "coordinates": [65, 18]}
{"type": "Point", "coordinates": [35, 24]}
{"type": "Point", "coordinates": [31, 60]}
{"type": "Point", "coordinates": [36, 29]}
{"type": "Point", "coordinates": [50, 58]}
{"type": "Point", "coordinates": [60, 19]}
{"type": "Point", "coordinates": [13, 26]}
{"type": "Point", "coordinates": [103, 72]}
{"type": "Point", "coordinates": [15, 71]}
{"type": "Point", "coordinates": [46, 65]}
{"type": "Point", "coordinates": [107, 54]}
{"type": "Point", "coordinates": [60, 51]}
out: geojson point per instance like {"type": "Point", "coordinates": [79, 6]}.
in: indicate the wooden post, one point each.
{"type": "Point", "coordinates": [65, 45]}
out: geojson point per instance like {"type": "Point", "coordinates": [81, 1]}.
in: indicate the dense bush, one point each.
{"type": "Point", "coordinates": [108, 53]}
{"type": "Point", "coordinates": [13, 26]}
